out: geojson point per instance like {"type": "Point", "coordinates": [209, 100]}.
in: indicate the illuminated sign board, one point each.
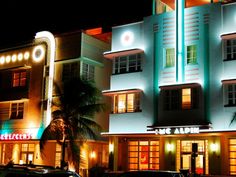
{"type": "Point", "coordinates": [15, 136]}
{"type": "Point", "coordinates": [177, 130]}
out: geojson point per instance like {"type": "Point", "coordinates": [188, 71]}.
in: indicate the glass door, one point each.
{"type": "Point", "coordinates": [187, 159]}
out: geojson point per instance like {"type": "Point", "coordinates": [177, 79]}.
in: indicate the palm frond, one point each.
{"type": "Point", "coordinates": [74, 104]}
{"type": "Point", "coordinates": [233, 119]}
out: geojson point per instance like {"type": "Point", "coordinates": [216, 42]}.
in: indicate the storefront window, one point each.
{"type": "Point", "coordinates": [58, 155]}
{"type": "Point", "coordinates": [27, 153]}
{"type": "Point", "coordinates": [143, 155]}
{"type": "Point", "coordinates": [232, 156]}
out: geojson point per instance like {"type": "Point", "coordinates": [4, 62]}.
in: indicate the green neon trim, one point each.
{"type": "Point", "coordinates": [206, 86]}
{"type": "Point", "coordinates": [180, 50]}
{"type": "Point", "coordinates": [153, 7]}
{"type": "Point", "coordinates": [155, 79]}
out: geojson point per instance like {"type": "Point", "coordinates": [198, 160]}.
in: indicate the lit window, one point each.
{"type": "Point", "coordinates": [121, 103]}
{"type": "Point", "coordinates": [19, 79]}
{"type": "Point", "coordinates": [186, 98]}
{"type": "Point", "coordinates": [17, 110]}
{"type": "Point", "coordinates": [125, 64]}
{"type": "Point", "coordinates": [232, 156]}
{"type": "Point", "coordinates": [58, 155]}
{"type": "Point", "coordinates": [192, 54]}
{"type": "Point", "coordinates": [127, 102]}
{"type": "Point", "coordinates": [170, 57]}
{"type": "Point", "coordinates": [230, 49]}
{"type": "Point", "coordinates": [143, 155]}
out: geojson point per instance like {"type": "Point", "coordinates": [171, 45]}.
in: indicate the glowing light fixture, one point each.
{"type": "Point", "coordinates": [49, 38]}
{"type": "Point", "coordinates": [13, 58]}
{"type": "Point", "coordinates": [2, 60]}
{"type": "Point", "coordinates": [38, 53]}
{"type": "Point", "coordinates": [127, 38]}
{"type": "Point", "coordinates": [26, 55]}
{"type": "Point", "coordinates": [8, 59]}
{"type": "Point", "coordinates": [214, 147]}
{"type": "Point", "coordinates": [111, 147]}
{"type": "Point", "coordinates": [170, 147]}
{"type": "Point", "coordinates": [93, 155]}
{"type": "Point", "coordinates": [20, 56]}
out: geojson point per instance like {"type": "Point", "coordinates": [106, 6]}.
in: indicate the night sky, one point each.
{"type": "Point", "coordinates": [21, 19]}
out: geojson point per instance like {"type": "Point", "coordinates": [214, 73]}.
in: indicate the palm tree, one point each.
{"type": "Point", "coordinates": [73, 108]}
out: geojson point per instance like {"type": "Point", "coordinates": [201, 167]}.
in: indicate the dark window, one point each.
{"type": "Point", "coordinates": [88, 71]}
{"type": "Point", "coordinates": [126, 64]}
{"type": "Point", "coordinates": [230, 49]}
{"type": "Point", "coordinates": [17, 110]}
{"type": "Point", "coordinates": [230, 95]}
{"type": "Point", "coordinates": [70, 71]}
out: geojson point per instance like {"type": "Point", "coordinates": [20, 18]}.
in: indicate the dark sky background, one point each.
{"type": "Point", "coordinates": [21, 19]}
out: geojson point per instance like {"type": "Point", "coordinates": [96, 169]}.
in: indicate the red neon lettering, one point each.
{"type": "Point", "coordinates": [17, 136]}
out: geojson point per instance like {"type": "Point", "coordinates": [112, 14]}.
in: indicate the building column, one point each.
{"type": "Point", "coordinates": [113, 153]}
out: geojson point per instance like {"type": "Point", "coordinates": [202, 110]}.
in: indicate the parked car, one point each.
{"type": "Point", "coordinates": [151, 173]}
{"type": "Point", "coordinates": [34, 171]}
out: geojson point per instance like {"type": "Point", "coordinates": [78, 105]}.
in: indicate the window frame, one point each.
{"type": "Point", "coordinates": [124, 64]}
{"type": "Point", "coordinates": [19, 78]}
{"type": "Point", "coordinates": [70, 70]}
{"type": "Point", "coordinates": [173, 99]}
{"type": "Point", "coordinates": [232, 47]}
{"type": "Point", "coordinates": [226, 95]}
{"type": "Point", "coordinates": [88, 71]}
{"type": "Point", "coordinates": [192, 60]}
{"type": "Point", "coordinates": [16, 110]}
{"type": "Point", "coordinates": [133, 107]}
{"type": "Point", "coordinates": [170, 56]}
{"type": "Point", "coordinates": [147, 148]}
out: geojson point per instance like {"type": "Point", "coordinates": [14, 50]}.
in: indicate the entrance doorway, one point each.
{"type": "Point", "coordinates": [201, 166]}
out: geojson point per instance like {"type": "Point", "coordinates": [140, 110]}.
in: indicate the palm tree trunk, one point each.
{"type": "Point", "coordinates": [63, 151]}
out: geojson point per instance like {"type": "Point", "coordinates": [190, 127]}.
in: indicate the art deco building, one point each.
{"type": "Point", "coordinates": [27, 73]}
{"type": "Point", "coordinates": [173, 89]}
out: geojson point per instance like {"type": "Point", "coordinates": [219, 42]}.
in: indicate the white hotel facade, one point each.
{"type": "Point", "coordinates": [173, 89]}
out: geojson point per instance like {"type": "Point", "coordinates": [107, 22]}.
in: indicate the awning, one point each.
{"type": "Point", "coordinates": [113, 54]}
{"type": "Point", "coordinates": [113, 92]}
{"type": "Point", "coordinates": [178, 86]}
{"type": "Point", "coordinates": [228, 36]}
{"type": "Point", "coordinates": [229, 81]}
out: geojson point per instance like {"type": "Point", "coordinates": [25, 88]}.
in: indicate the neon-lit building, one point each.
{"type": "Point", "coordinates": [27, 73]}
{"type": "Point", "coordinates": [173, 89]}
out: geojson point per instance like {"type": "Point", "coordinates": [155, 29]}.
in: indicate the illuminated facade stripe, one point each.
{"type": "Point", "coordinates": [52, 45]}
{"type": "Point", "coordinates": [179, 16]}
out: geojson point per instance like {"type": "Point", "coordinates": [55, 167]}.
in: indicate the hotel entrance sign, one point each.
{"type": "Point", "coordinates": [177, 130]}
